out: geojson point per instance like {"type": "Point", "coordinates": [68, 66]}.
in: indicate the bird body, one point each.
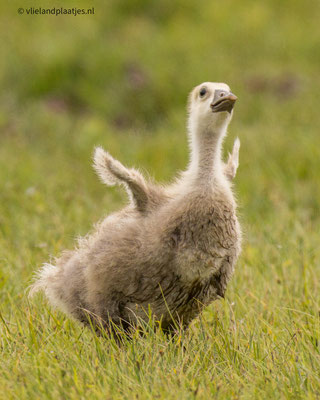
{"type": "Point", "coordinates": [173, 249]}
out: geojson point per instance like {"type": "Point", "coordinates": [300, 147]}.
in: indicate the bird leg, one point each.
{"type": "Point", "coordinates": [112, 172]}
{"type": "Point", "coordinates": [230, 168]}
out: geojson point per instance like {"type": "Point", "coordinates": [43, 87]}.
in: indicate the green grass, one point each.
{"type": "Point", "coordinates": [120, 79]}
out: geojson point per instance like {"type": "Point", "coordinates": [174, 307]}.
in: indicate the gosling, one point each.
{"type": "Point", "coordinates": [173, 249]}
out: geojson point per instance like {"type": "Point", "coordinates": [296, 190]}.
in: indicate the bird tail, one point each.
{"type": "Point", "coordinates": [46, 274]}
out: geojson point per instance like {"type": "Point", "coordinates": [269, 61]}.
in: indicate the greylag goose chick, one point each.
{"type": "Point", "coordinates": [173, 249]}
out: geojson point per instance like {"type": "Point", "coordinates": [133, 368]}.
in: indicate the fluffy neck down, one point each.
{"type": "Point", "coordinates": [206, 167]}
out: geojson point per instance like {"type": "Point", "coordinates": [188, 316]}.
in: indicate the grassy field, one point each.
{"type": "Point", "coordinates": [120, 79]}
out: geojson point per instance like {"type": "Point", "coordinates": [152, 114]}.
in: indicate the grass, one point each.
{"type": "Point", "coordinates": [120, 79]}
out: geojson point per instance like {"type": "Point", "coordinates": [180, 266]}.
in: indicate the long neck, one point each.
{"type": "Point", "coordinates": [206, 145]}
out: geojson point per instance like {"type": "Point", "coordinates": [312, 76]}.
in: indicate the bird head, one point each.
{"type": "Point", "coordinates": [210, 107]}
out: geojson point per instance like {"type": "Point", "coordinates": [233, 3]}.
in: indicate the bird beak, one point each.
{"type": "Point", "coordinates": [223, 103]}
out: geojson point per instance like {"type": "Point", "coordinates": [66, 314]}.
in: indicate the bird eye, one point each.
{"type": "Point", "coordinates": [222, 94]}
{"type": "Point", "coordinates": [203, 92]}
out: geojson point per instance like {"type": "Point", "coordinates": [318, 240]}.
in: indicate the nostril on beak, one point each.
{"type": "Point", "coordinates": [231, 96]}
